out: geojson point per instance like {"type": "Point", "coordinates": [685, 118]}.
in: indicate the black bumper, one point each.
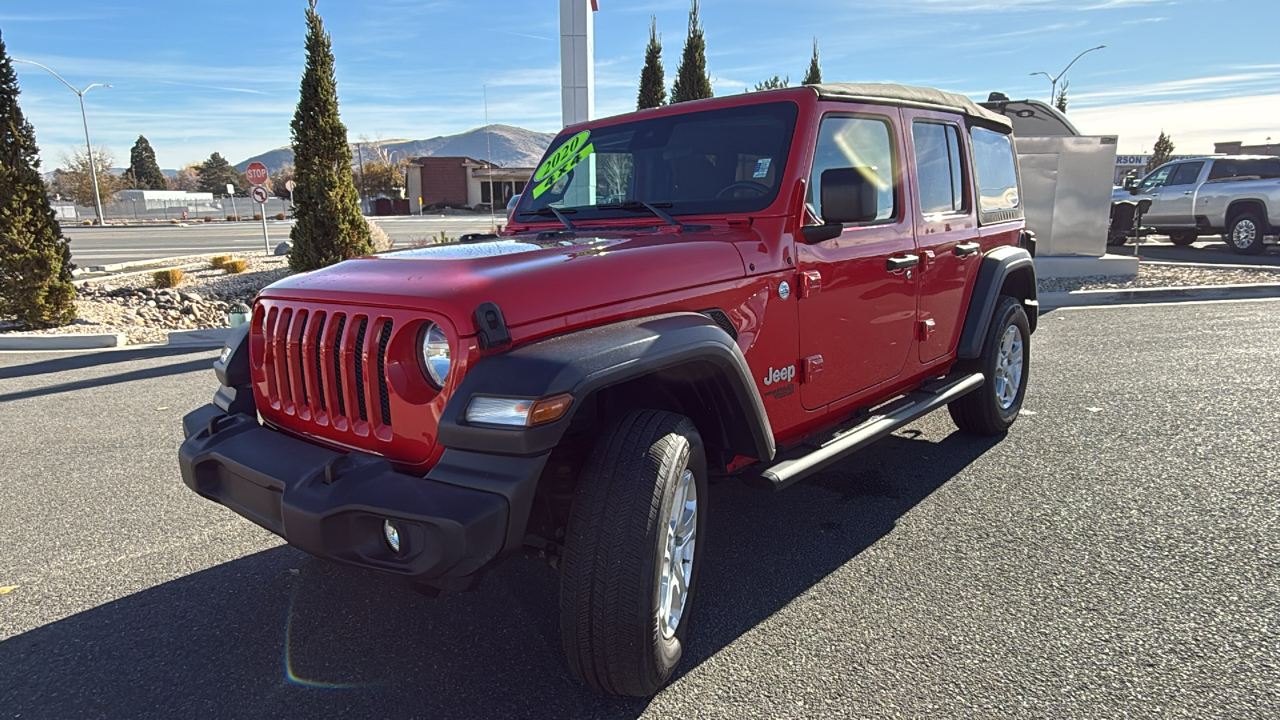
{"type": "Point", "coordinates": [469, 510]}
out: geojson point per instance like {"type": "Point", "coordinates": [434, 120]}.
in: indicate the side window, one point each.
{"type": "Point", "coordinates": [996, 171]}
{"type": "Point", "coordinates": [938, 168]}
{"type": "Point", "coordinates": [1186, 174]}
{"type": "Point", "coordinates": [856, 142]}
{"type": "Point", "coordinates": [1155, 179]}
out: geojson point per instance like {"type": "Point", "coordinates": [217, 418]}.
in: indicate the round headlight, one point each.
{"type": "Point", "coordinates": [435, 355]}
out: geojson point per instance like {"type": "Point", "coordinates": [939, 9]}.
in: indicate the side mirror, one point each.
{"type": "Point", "coordinates": [1130, 183]}
{"type": "Point", "coordinates": [848, 195]}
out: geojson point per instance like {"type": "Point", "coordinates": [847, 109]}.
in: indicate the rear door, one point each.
{"type": "Point", "coordinates": [858, 290]}
{"type": "Point", "coordinates": [1174, 204]}
{"type": "Point", "coordinates": [945, 225]}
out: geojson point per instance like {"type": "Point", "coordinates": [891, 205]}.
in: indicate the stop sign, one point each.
{"type": "Point", "coordinates": [256, 173]}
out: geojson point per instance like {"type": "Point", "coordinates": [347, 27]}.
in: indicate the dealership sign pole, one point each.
{"type": "Point", "coordinates": [257, 174]}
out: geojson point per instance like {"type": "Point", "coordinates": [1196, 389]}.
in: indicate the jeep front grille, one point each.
{"type": "Point", "coordinates": [328, 367]}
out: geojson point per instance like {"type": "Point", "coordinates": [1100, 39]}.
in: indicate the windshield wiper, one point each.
{"type": "Point", "coordinates": [559, 215]}
{"type": "Point", "coordinates": [654, 208]}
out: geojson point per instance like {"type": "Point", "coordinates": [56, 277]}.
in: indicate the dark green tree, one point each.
{"type": "Point", "coordinates": [1161, 153]}
{"type": "Point", "coordinates": [814, 75]}
{"type": "Point", "coordinates": [35, 259]}
{"type": "Point", "coordinates": [1060, 102]}
{"type": "Point", "coordinates": [216, 173]}
{"type": "Point", "coordinates": [692, 82]}
{"type": "Point", "coordinates": [329, 227]}
{"type": "Point", "coordinates": [144, 173]}
{"type": "Point", "coordinates": [653, 83]}
{"type": "Point", "coordinates": [773, 83]}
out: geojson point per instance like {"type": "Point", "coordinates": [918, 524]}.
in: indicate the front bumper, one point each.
{"type": "Point", "coordinates": [468, 512]}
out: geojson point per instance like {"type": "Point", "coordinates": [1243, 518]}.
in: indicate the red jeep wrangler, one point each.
{"type": "Point", "coordinates": [756, 285]}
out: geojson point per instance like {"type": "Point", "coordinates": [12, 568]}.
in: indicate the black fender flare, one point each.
{"type": "Point", "coordinates": [587, 361]}
{"type": "Point", "coordinates": [997, 266]}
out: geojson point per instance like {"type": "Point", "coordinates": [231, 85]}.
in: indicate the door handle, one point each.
{"type": "Point", "coordinates": [902, 262]}
{"type": "Point", "coordinates": [966, 249]}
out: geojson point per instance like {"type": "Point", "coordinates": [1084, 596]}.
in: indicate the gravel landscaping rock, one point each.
{"type": "Point", "coordinates": [1151, 276]}
{"type": "Point", "coordinates": [131, 305]}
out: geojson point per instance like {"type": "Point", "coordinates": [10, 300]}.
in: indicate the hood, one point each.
{"type": "Point", "coordinates": [530, 276]}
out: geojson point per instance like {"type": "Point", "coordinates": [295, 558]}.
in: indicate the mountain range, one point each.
{"type": "Point", "coordinates": [510, 147]}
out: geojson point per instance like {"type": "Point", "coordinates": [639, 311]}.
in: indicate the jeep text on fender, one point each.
{"type": "Point", "coordinates": [753, 286]}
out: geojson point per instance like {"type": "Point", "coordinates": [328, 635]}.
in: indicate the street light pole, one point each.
{"type": "Point", "coordinates": [93, 167]}
{"type": "Point", "coordinates": [1053, 91]}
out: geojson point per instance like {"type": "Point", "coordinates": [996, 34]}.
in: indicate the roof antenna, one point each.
{"type": "Point", "coordinates": [488, 149]}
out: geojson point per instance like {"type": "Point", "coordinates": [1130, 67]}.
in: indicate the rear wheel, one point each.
{"type": "Point", "coordinates": [1182, 239]}
{"type": "Point", "coordinates": [631, 553]}
{"type": "Point", "coordinates": [1244, 234]}
{"type": "Point", "coordinates": [1005, 360]}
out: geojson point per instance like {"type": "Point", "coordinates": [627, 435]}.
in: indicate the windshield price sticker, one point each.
{"type": "Point", "coordinates": [565, 158]}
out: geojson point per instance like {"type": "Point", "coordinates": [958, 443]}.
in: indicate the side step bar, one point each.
{"type": "Point", "coordinates": [892, 417]}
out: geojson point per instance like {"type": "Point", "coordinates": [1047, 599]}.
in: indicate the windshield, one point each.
{"type": "Point", "coordinates": [714, 162]}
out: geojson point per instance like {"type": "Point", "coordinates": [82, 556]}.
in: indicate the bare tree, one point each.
{"type": "Point", "coordinates": [75, 181]}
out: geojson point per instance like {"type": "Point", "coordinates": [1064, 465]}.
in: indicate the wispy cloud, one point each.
{"type": "Point", "coordinates": [971, 6]}
{"type": "Point", "coordinates": [1194, 125]}
{"type": "Point", "coordinates": [215, 87]}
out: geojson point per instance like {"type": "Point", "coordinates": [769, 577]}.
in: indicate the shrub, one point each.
{"type": "Point", "coordinates": [281, 216]}
{"type": "Point", "coordinates": [379, 237]}
{"type": "Point", "coordinates": [167, 278]}
{"type": "Point", "coordinates": [174, 221]}
{"type": "Point", "coordinates": [218, 261]}
{"type": "Point", "coordinates": [257, 217]}
{"type": "Point", "coordinates": [233, 218]}
{"type": "Point", "coordinates": [87, 223]}
{"type": "Point", "coordinates": [208, 218]}
{"type": "Point", "coordinates": [235, 267]}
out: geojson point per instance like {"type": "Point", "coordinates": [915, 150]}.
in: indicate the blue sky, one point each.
{"type": "Point", "coordinates": [200, 77]}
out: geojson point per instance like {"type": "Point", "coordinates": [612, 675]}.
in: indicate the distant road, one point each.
{"type": "Point", "coordinates": [109, 245]}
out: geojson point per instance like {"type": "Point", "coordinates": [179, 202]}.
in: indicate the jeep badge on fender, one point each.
{"type": "Point", "coordinates": [573, 383]}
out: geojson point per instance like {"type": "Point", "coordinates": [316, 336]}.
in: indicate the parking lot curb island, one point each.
{"type": "Point", "coordinates": [61, 342]}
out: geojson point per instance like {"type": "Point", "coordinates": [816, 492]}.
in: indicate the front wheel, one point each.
{"type": "Point", "coordinates": [631, 553]}
{"type": "Point", "coordinates": [1244, 235]}
{"type": "Point", "coordinates": [1005, 360]}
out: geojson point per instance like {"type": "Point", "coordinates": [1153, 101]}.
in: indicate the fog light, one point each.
{"type": "Point", "coordinates": [392, 535]}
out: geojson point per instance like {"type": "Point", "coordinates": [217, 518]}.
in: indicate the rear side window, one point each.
{"type": "Point", "coordinates": [1266, 168]}
{"type": "Point", "coordinates": [996, 171]}
{"type": "Point", "coordinates": [1186, 174]}
{"type": "Point", "coordinates": [938, 168]}
{"type": "Point", "coordinates": [856, 142]}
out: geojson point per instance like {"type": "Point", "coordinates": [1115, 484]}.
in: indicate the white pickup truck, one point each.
{"type": "Point", "coordinates": [1236, 196]}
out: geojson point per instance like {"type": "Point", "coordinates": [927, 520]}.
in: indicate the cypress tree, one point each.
{"type": "Point", "coordinates": [329, 227]}
{"type": "Point", "coordinates": [1161, 153]}
{"type": "Point", "coordinates": [814, 76]}
{"type": "Point", "coordinates": [692, 82]}
{"type": "Point", "coordinates": [216, 173]}
{"type": "Point", "coordinates": [35, 259]}
{"type": "Point", "coordinates": [1060, 102]}
{"type": "Point", "coordinates": [144, 173]}
{"type": "Point", "coordinates": [653, 84]}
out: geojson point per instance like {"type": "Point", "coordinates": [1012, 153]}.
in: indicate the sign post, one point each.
{"type": "Point", "coordinates": [256, 173]}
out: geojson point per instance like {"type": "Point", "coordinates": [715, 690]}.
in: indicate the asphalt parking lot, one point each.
{"type": "Point", "coordinates": [1211, 249]}
{"type": "Point", "coordinates": [1116, 555]}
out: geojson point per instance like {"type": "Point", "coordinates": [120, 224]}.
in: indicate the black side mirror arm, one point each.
{"type": "Point", "coordinates": [817, 233]}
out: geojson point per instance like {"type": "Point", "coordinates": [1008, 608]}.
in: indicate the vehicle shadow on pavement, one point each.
{"type": "Point", "coordinates": [82, 360]}
{"type": "Point", "coordinates": [156, 371]}
{"type": "Point", "coordinates": [280, 634]}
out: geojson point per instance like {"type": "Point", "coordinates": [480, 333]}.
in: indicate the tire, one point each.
{"type": "Point", "coordinates": [1116, 239]}
{"type": "Point", "coordinates": [616, 637]}
{"type": "Point", "coordinates": [992, 408]}
{"type": "Point", "coordinates": [1244, 233]}
{"type": "Point", "coordinates": [1182, 239]}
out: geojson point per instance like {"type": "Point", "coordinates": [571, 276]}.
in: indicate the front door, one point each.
{"type": "Point", "coordinates": [946, 228]}
{"type": "Point", "coordinates": [1175, 203]}
{"type": "Point", "coordinates": [858, 291]}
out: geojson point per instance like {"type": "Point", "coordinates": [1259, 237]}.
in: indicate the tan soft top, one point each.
{"type": "Point", "coordinates": [885, 93]}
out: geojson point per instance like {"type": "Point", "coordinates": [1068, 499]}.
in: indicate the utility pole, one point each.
{"type": "Point", "coordinates": [363, 190]}
{"type": "Point", "coordinates": [93, 168]}
{"type": "Point", "coordinates": [1053, 91]}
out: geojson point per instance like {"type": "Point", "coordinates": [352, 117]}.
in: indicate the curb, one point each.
{"type": "Point", "coordinates": [117, 267]}
{"type": "Point", "coordinates": [1086, 298]}
{"type": "Point", "coordinates": [210, 337]}
{"type": "Point", "coordinates": [62, 342]}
